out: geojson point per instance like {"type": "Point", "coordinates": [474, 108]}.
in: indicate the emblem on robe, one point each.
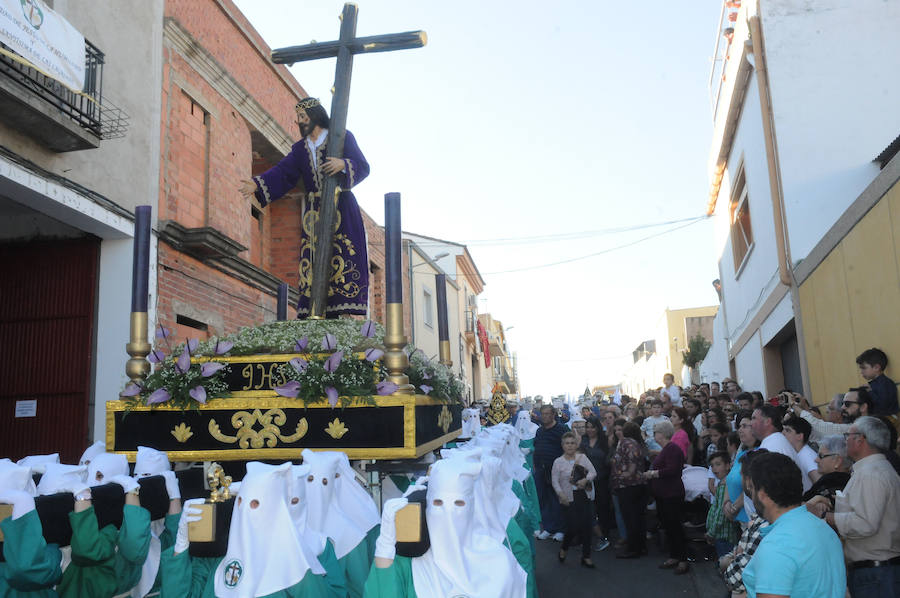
{"type": "Point", "coordinates": [232, 573]}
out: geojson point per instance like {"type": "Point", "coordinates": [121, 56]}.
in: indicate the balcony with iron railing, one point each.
{"type": "Point", "coordinates": [51, 113]}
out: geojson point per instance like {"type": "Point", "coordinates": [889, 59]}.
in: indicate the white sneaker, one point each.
{"type": "Point", "coordinates": [541, 534]}
{"type": "Point", "coordinates": [558, 536]}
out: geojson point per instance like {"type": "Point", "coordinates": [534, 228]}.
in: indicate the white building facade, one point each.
{"type": "Point", "coordinates": [73, 167]}
{"type": "Point", "coordinates": [801, 104]}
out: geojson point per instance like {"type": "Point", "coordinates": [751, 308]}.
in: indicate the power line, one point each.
{"type": "Point", "coordinates": [590, 255]}
{"type": "Point", "coordinates": [555, 237]}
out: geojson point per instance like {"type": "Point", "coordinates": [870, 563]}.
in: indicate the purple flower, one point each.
{"type": "Point", "coordinates": [158, 396]}
{"type": "Point", "coordinates": [223, 347]}
{"type": "Point", "coordinates": [156, 356]}
{"type": "Point", "coordinates": [374, 354]}
{"type": "Point", "coordinates": [386, 387]}
{"type": "Point", "coordinates": [334, 361]}
{"type": "Point", "coordinates": [209, 368]}
{"type": "Point", "coordinates": [299, 364]}
{"type": "Point", "coordinates": [289, 389]}
{"type": "Point", "coordinates": [425, 388]}
{"type": "Point", "coordinates": [184, 362]}
{"type": "Point", "coordinates": [368, 329]}
{"type": "Point", "coordinates": [426, 375]}
{"type": "Point", "coordinates": [163, 333]}
{"type": "Point", "coordinates": [332, 394]}
{"type": "Point", "coordinates": [192, 344]}
{"type": "Point", "coordinates": [198, 393]}
{"type": "Point", "coordinates": [131, 390]}
{"type": "Point", "coordinates": [329, 343]}
{"type": "Point", "coordinates": [300, 345]}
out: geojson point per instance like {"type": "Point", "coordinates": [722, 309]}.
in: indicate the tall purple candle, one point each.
{"type": "Point", "coordinates": [440, 284]}
{"type": "Point", "coordinates": [140, 273]}
{"type": "Point", "coordinates": [393, 250]}
{"type": "Point", "coordinates": [281, 310]}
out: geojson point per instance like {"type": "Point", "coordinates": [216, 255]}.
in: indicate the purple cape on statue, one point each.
{"type": "Point", "coordinates": [348, 290]}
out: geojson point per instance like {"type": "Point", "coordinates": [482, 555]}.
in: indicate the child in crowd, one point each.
{"type": "Point", "coordinates": [648, 424]}
{"type": "Point", "coordinates": [717, 433]}
{"type": "Point", "coordinates": [720, 531]}
{"type": "Point", "coordinates": [884, 392]}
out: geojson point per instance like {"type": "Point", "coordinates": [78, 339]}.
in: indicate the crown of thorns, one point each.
{"type": "Point", "coordinates": [307, 103]}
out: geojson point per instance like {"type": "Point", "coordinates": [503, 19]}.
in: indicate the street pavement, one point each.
{"type": "Point", "coordinates": [621, 578]}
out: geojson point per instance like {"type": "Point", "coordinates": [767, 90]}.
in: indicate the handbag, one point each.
{"type": "Point", "coordinates": [579, 472]}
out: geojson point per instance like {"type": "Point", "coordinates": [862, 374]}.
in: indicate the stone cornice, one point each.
{"type": "Point", "coordinates": [218, 251]}
{"type": "Point", "coordinates": [180, 40]}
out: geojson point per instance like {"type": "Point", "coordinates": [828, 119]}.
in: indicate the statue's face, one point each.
{"type": "Point", "coordinates": [303, 122]}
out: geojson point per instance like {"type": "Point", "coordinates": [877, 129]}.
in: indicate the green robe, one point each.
{"type": "Point", "coordinates": [529, 515]}
{"type": "Point", "coordinates": [108, 561]}
{"type": "Point", "coordinates": [518, 544]}
{"type": "Point", "coordinates": [356, 563]}
{"type": "Point", "coordinates": [529, 458]}
{"type": "Point", "coordinates": [32, 567]}
{"type": "Point", "coordinates": [166, 541]}
{"type": "Point", "coordinates": [186, 577]}
{"type": "Point", "coordinates": [395, 581]}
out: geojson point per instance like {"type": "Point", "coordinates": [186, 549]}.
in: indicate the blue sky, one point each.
{"type": "Point", "coordinates": [542, 123]}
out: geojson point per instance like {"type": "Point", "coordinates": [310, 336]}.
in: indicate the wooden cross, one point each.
{"type": "Point", "coordinates": [344, 49]}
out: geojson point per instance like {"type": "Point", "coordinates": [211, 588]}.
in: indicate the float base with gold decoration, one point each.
{"type": "Point", "coordinates": [231, 429]}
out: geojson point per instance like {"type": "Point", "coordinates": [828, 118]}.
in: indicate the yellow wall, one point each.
{"type": "Point", "coordinates": [675, 326]}
{"type": "Point", "coordinates": [851, 301]}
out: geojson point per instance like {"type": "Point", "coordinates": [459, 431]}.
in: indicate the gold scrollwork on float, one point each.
{"type": "Point", "coordinates": [268, 435]}
{"type": "Point", "coordinates": [445, 419]}
{"type": "Point", "coordinates": [336, 429]}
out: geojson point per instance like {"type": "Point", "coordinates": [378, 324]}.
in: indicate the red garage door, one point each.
{"type": "Point", "coordinates": [47, 298]}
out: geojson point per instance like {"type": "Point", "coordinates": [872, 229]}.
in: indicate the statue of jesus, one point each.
{"type": "Point", "coordinates": [348, 287]}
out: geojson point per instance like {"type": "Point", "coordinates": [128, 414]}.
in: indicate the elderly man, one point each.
{"type": "Point", "coordinates": [867, 513]}
{"type": "Point", "coordinates": [547, 447]}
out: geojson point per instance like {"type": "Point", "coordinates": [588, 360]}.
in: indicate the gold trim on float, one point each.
{"type": "Point", "coordinates": [274, 401]}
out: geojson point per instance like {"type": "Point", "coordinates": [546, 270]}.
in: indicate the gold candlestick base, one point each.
{"type": "Point", "coordinates": [445, 354]}
{"type": "Point", "coordinates": [138, 368]}
{"type": "Point", "coordinates": [395, 359]}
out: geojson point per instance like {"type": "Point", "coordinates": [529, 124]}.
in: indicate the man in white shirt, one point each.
{"type": "Point", "coordinates": [766, 425]}
{"type": "Point", "coordinates": [797, 431]}
{"type": "Point", "coordinates": [670, 391]}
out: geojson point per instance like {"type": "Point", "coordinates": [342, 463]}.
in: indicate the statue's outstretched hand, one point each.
{"type": "Point", "coordinates": [247, 188]}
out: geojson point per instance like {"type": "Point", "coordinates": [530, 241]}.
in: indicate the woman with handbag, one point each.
{"type": "Point", "coordinates": [572, 477]}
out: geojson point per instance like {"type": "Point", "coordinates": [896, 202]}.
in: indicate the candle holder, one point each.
{"type": "Point", "coordinates": [445, 354]}
{"type": "Point", "coordinates": [138, 368]}
{"type": "Point", "coordinates": [395, 359]}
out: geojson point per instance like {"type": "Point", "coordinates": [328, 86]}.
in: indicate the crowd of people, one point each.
{"type": "Point", "coordinates": [798, 502]}
{"type": "Point", "coordinates": [792, 502]}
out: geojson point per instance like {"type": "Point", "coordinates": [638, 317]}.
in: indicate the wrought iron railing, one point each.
{"type": "Point", "coordinates": [89, 109]}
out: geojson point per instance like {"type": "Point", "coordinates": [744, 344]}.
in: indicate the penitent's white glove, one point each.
{"type": "Point", "coordinates": [22, 502]}
{"type": "Point", "coordinates": [172, 487]}
{"type": "Point", "coordinates": [189, 514]}
{"type": "Point", "coordinates": [127, 482]}
{"type": "Point", "coordinates": [384, 545]}
{"type": "Point", "coordinates": [420, 484]}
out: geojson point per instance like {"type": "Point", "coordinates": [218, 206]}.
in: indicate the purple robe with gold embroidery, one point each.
{"type": "Point", "coordinates": [348, 290]}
